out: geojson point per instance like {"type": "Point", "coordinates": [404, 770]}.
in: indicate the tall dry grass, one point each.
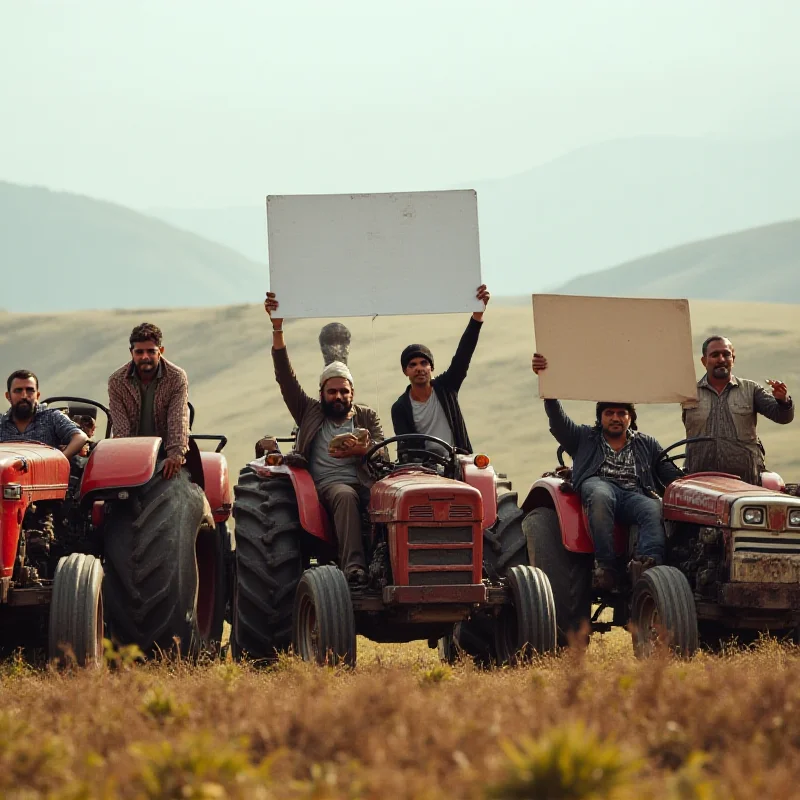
{"type": "Point", "coordinates": [598, 724]}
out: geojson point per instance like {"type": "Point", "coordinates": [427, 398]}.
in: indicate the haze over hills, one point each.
{"type": "Point", "coordinates": [76, 252]}
{"type": "Point", "coordinates": [594, 208]}
{"type": "Point", "coordinates": [232, 385]}
{"type": "Point", "coordinates": [760, 264]}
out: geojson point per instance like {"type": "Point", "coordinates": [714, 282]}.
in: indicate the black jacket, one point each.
{"type": "Point", "coordinates": [446, 387]}
{"type": "Point", "coordinates": [583, 444]}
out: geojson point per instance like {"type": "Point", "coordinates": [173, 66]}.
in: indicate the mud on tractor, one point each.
{"type": "Point", "coordinates": [732, 561]}
{"type": "Point", "coordinates": [105, 546]}
{"type": "Point", "coordinates": [429, 565]}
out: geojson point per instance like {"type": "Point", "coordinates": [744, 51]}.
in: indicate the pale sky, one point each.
{"type": "Point", "coordinates": [192, 103]}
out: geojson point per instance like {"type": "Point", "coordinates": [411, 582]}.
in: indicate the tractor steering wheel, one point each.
{"type": "Point", "coordinates": [663, 457]}
{"type": "Point", "coordinates": [446, 460]}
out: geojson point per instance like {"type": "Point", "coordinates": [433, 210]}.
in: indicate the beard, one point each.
{"type": "Point", "coordinates": [615, 432]}
{"type": "Point", "coordinates": [336, 409]}
{"type": "Point", "coordinates": [721, 372]}
{"type": "Point", "coordinates": [24, 409]}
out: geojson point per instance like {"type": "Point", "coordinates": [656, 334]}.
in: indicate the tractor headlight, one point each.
{"type": "Point", "coordinates": [753, 516]}
{"type": "Point", "coordinates": [794, 518]}
{"type": "Point", "coordinates": [13, 491]}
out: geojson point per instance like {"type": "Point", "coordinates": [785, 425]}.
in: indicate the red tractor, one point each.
{"type": "Point", "coordinates": [732, 561]}
{"type": "Point", "coordinates": [106, 544]}
{"type": "Point", "coordinates": [424, 541]}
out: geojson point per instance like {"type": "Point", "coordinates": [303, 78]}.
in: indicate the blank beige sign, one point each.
{"type": "Point", "coordinates": [615, 349]}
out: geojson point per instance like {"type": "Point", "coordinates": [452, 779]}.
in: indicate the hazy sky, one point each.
{"type": "Point", "coordinates": [192, 103]}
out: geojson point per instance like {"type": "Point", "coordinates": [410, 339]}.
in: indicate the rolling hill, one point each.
{"type": "Point", "coordinates": [71, 252]}
{"type": "Point", "coordinates": [591, 209]}
{"type": "Point", "coordinates": [761, 264]}
{"type": "Point", "coordinates": [226, 354]}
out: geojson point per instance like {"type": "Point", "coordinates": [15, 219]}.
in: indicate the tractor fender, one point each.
{"type": "Point", "coordinates": [313, 517]}
{"type": "Point", "coordinates": [117, 464]}
{"type": "Point", "coordinates": [485, 481]}
{"type": "Point", "coordinates": [546, 493]}
{"type": "Point", "coordinates": [216, 484]}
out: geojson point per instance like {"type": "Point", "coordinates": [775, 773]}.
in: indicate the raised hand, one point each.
{"type": "Point", "coordinates": [271, 307]}
{"type": "Point", "coordinates": [538, 363]}
{"type": "Point", "coordinates": [779, 390]}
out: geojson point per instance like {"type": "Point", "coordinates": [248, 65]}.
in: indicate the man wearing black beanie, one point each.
{"type": "Point", "coordinates": [430, 405]}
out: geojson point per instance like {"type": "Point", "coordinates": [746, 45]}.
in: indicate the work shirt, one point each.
{"type": "Point", "coordinates": [619, 466]}
{"type": "Point", "coordinates": [731, 417]}
{"type": "Point", "coordinates": [324, 468]}
{"type": "Point", "coordinates": [147, 418]}
{"type": "Point", "coordinates": [48, 426]}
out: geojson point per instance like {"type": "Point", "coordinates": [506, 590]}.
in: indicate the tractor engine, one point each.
{"type": "Point", "coordinates": [432, 528]}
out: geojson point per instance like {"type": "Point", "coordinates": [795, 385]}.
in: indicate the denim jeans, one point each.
{"type": "Point", "coordinates": [606, 503]}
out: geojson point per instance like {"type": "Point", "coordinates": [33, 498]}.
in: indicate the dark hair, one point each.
{"type": "Point", "coordinates": [21, 375]}
{"type": "Point", "coordinates": [146, 333]}
{"type": "Point", "coordinates": [602, 406]}
{"type": "Point", "coordinates": [715, 338]}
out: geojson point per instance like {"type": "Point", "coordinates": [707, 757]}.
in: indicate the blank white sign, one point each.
{"type": "Point", "coordinates": [615, 349]}
{"type": "Point", "coordinates": [354, 255]}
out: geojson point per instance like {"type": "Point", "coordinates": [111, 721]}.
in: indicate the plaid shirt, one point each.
{"type": "Point", "coordinates": [170, 407]}
{"type": "Point", "coordinates": [619, 466]}
{"type": "Point", "coordinates": [47, 426]}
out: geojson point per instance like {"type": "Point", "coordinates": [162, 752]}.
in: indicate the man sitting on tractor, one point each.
{"type": "Point", "coordinates": [26, 421]}
{"type": "Point", "coordinates": [612, 471]}
{"type": "Point", "coordinates": [341, 479]}
{"type": "Point", "coordinates": [430, 405]}
{"type": "Point", "coordinates": [149, 396]}
{"type": "Point", "coordinates": [727, 409]}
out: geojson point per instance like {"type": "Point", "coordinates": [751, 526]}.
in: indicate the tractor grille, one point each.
{"type": "Point", "coordinates": [460, 512]}
{"type": "Point", "coordinates": [766, 557]}
{"type": "Point", "coordinates": [420, 512]}
{"type": "Point", "coordinates": [439, 557]}
{"type": "Point", "coordinates": [440, 578]}
{"type": "Point", "coordinates": [440, 535]}
{"type": "Point", "coordinates": [770, 543]}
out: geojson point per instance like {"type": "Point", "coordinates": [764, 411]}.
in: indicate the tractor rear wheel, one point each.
{"type": "Point", "coordinates": [526, 626]}
{"type": "Point", "coordinates": [663, 612]}
{"type": "Point", "coordinates": [161, 562]}
{"type": "Point", "coordinates": [324, 623]}
{"type": "Point", "coordinates": [269, 565]}
{"type": "Point", "coordinates": [504, 543]}
{"type": "Point", "coordinates": [75, 630]}
{"type": "Point", "coordinates": [570, 574]}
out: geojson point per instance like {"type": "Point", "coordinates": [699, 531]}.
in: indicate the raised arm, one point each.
{"type": "Point", "coordinates": [564, 430]}
{"type": "Point", "coordinates": [778, 406]}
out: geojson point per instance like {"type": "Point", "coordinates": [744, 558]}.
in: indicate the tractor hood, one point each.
{"type": "Point", "coordinates": [40, 472]}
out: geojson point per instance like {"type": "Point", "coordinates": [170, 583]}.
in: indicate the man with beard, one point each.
{"type": "Point", "coordinates": [340, 477]}
{"type": "Point", "coordinates": [430, 405]}
{"type": "Point", "coordinates": [26, 421]}
{"type": "Point", "coordinates": [613, 467]}
{"type": "Point", "coordinates": [727, 409]}
{"type": "Point", "coordinates": [149, 396]}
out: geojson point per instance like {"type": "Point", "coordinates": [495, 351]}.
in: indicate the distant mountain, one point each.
{"type": "Point", "coordinates": [761, 264]}
{"type": "Point", "coordinates": [593, 208]}
{"type": "Point", "coordinates": [63, 252]}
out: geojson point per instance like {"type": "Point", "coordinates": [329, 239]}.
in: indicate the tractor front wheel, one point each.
{"type": "Point", "coordinates": [663, 613]}
{"type": "Point", "coordinates": [75, 629]}
{"type": "Point", "coordinates": [323, 621]}
{"type": "Point", "coordinates": [527, 625]}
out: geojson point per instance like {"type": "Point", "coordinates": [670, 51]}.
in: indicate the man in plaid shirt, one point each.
{"type": "Point", "coordinates": [149, 396]}
{"type": "Point", "coordinates": [26, 421]}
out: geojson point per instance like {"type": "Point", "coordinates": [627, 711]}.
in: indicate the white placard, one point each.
{"type": "Point", "coordinates": [355, 255]}
{"type": "Point", "coordinates": [615, 349]}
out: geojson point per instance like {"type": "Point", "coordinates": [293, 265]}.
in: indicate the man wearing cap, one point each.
{"type": "Point", "coordinates": [430, 405]}
{"type": "Point", "coordinates": [338, 471]}
{"type": "Point", "coordinates": [613, 470]}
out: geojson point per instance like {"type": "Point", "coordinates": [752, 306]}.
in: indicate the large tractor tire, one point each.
{"type": "Point", "coordinates": [526, 626]}
{"type": "Point", "coordinates": [162, 562]}
{"type": "Point", "coordinates": [269, 565]}
{"type": "Point", "coordinates": [324, 623]}
{"type": "Point", "coordinates": [75, 629]}
{"type": "Point", "coordinates": [504, 543]}
{"type": "Point", "coordinates": [663, 612]}
{"type": "Point", "coordinates": [570, 574]}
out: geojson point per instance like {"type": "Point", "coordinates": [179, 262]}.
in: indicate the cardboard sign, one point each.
{"type": "Point", "coordinates": [615, 349]}
{"type": "Point", "coordinates": [350, 255]}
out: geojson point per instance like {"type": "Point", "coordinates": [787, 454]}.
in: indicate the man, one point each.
{"type": "Point", "coordinates": [430, 405]}
{"type": "Point", "coordinates": [613, 467]}
{"type": "Point", "coordinates": [26, 421]}
{"type": "Point", "coordinates": [149, 396]}
{"type": "Point", "coordinates": [340, 477]}
{"type": "Point", "coordinates": [727, 409]}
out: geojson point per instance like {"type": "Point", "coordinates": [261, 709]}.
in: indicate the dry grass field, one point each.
{"type": "Point", "coordinates": [580, 725]}
{"type": "Point", "coordinates": [594, 725]}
